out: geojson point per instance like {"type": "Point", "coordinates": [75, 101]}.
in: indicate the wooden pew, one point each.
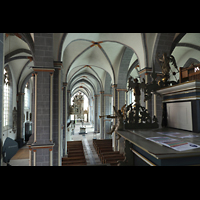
{"type": "Point", "coordinates": [106, 153]}
{"type": "Point", "coordinates": [105, 149]}
{"type": "Point", "coordinates": [113, 158]}
{"type": "Point", "coordinates": [73, 158]}
{"type": "Point", "coordinates": [102, 144]}
{"type": "Point", "coordinates": [75, 164]}
{"type": "Point", "coordinates": [76, 155]}
{"type": "Point", "coordinates": [73, 161]}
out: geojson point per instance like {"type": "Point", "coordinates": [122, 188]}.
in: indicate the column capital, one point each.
{"type": "Point", "coordinates": [64, 84]}
{"type": "Point", "coordinates": [125, 90]}
{"type": "Point", "coordinates": [108, 95]}
{"type": "Point", "coordinates": [114, 85]}
{"type": "Point", "coordinates": [43, 69]}
{"type": "Point", "coordinates": [58, 64]}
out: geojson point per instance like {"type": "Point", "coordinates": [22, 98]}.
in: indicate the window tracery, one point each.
{"type": "Point", "coordinates": [6, 97]}
{"type": "Point", "coordinates": [27, 96]}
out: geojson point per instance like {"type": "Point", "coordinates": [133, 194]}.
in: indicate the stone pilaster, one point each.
{"type": "Point", "coordinates": [57, 114]}
{"type": "Point", "coordinates": [41, 145]}
{"type": "Point", "coordinates": [95, 114]}
{"type": "Point", "coordinates": [102, 113]}
{"type": "Point", "coordinates": [20, 115]}
{"type": "Point", "coordinates": [107, 111]}
{"type": "Point", "coordinates": [114, 104]}
{"type": "Point", "coordinates": [121, 94]}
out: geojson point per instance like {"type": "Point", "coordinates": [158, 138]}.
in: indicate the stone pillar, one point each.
{"type": "Point", "coordinates": [67, 116]}
{"type": "Point", "coordinates": [95, 114]}
{"type": "Point", "coordinates": [57, 114]}
{"type": "Point", "coordinates": [65, 104]}
{"type": "Point", "coordinates": [102, 113]}
{"type": "Point", "coordinates": [121, 101]}
{"type": "Point", "coordinates": [98, 112]}
{"type": "Point", "coordinates": [114, 104]}
{"type": "Point", "coordinates": [68, 103]}
{"type": "Point", "coordinates": [107, 111]}
{"type": "Point", "coordinates": [20, 115]}
{"type": "Point", "coordinates": [121, 97]}
{"type": "Point", "coordinates": [42, 143]}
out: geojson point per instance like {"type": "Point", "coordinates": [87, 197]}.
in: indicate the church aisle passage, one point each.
{"type": "Point", "coordinates": [50, 79]}
{"type": "Point", "coordinates": [90, 153]}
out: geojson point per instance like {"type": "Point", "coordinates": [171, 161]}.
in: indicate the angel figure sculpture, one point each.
{"type": "Point", "coordinates": [164, 64]}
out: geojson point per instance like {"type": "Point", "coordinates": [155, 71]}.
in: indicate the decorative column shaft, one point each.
{"type": "Point", "coordinates": [95, 114]}
{"type": "Point", "coordinates": [102, 113]}
{"type": "Point", "coordinates": [114, 104]}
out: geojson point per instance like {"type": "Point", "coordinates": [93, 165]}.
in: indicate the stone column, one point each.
{"type": "Point", "coordinates": [121, 101]}
{"type": "Point", "coordinates": [42, 146]}
{"type": "Point", "coordinates": [107, 111]}
{"type": "Point", "coordinates": [20, 116]}
{"type": "Point", "coordinates": [102, 113]}
{"type": "Point", "coordinates": [121, 97]}
{"type": "Point", "coordinates": [95, 114]}
{"type": "Point", "coordinates": [42, 140]}
{"type": "Point", "coordinates": [114, 104]}
{"type": "Point", "coordinates": [68, 103]}
{"type": "Point", "coordinates": [98, 112]}
{"type": "Point", "coordinates": [65, 104]}
{"type": "Point", "coordinates": [57, 114]}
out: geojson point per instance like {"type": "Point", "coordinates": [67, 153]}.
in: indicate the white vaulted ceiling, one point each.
{"type": "Point", "coordinates": [19, 58]}
{"type": "Point", "coordinates": [100, 52]}
{"type": "Point", "coordinates": [88, 58]}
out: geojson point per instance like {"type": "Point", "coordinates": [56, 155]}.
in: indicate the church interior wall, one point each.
{"type": "Point", "coordinates": [102, 96]}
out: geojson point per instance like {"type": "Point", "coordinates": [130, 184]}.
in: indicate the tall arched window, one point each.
{"type": "Point", "coordinates": [6, 98]}
{"type": "Point", "coordinates": [27, 97]}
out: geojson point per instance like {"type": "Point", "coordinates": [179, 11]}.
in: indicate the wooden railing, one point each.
{"type": "Point", "coordinates": [189, 73]}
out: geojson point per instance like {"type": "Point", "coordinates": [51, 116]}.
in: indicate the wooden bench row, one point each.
{"type": "Point", "coordinates": [106, 153]}
{"type": "Point", "coordinates": [75, 153]}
